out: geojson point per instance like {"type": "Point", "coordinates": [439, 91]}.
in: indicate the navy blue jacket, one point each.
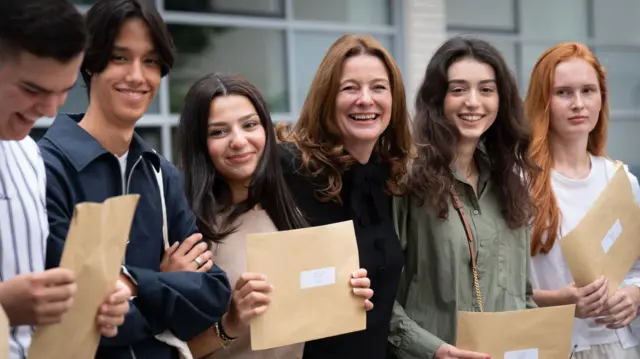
{"type": "Point", "coordinates": [79, 169]}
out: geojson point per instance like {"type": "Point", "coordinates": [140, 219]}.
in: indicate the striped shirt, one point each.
{"type": "Point", "coordinates": [23, 221]}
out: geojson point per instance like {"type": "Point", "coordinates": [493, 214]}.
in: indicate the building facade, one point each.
{"type": "Point", "coordinates": [278, 44]}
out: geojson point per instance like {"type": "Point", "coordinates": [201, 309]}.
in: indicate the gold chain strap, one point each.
{"type": "Point", "coordinates": [476, 282]}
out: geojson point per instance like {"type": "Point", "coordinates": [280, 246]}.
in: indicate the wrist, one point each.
{"type": "Point", "coordinates": [127, 281]}
{"type": "Point", "coordinates": [228, 327]}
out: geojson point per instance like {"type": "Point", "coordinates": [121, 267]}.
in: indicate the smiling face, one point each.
{"type": "Point", "coordinates": [129, 83]}
{"type": "Point", "coordinates": [472, 99]}
{"type": "Point", "coordinates": [363, 103]}
{"type": "Point", "coordinates": [30, 88]}
{"type": "Point", "coordinates": [236, 138]}
{"type": "Point", "coordinates": [576, 99]}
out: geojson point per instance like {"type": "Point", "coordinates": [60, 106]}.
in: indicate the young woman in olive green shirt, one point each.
{"type": "Point", "coordinates": [472, 142]}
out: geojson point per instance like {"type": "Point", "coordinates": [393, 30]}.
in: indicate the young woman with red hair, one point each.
{"type": "Point", "coordinates": [567, 106]}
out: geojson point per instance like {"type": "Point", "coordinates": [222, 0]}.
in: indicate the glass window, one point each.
{"type": "Point", "coordinates": [152, 136]}
{"type": "Point", "coordinates": [549, 19]}
{"type": "Point", "coordinates": [530, 54]}
{"type": "Point", "coordinates": [497, 15]}
{"type": "Point", "coordinates": [617, 23]}
{"type": "Point", "coordinates": [364, 12]}
{"type": "Point", "coordinates": [78, 101]}
{"type": "Point", "coordinates": [310, 48]}
{"type": "Point", "coordinates": [623, 142]}
{"type": "Point", "coordinates": [257, 54]}
{"type": "Point", "coordinates": [175, 147]}
{"type": "Point", "coordinates": [623, 78]}
{"type": "Point", "coordinates": [274, 8]}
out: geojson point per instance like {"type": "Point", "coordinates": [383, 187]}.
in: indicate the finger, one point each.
{"type": "Point", "coordinates": [465, 354]}
{"type": "Point", "coordinates": [614, 300]}
{"type": "Point", "coordinates": [624, 322]}
{"type": "Point", "coordinates": [621, 306]}
{"type": "Point", "coordinates": [253, 300]}
{"type": "Point", "coordinates": [54, 309]}
{"type": "Point", "coordinates": [606, 320]}
{"type": "Point", "coordinates": [56, 276]}
{"type": "Point", "coordinates": [246, 277]}
{"type": "Point", "coordinates": [204, 258]}
{"type": "Point", "coordinates": [197, 251]}
{"type": "Point", "coordinates": [187, 244]}
{"type": "Point", "coordinates": [206, 267]}
{"type": "Point", "coordinates": [254, 286]}
{"type": "Point", "coordinates": [365, 293]}
{"type": "Point", "coordinates": [360, 273]}
{"type": "Point", "coordinates": [58, 293]}
{"type": "Point", "coordinates": [592, 287]}
{"type": "Point", "coordinates": [368, 305]}
{"type": "Point", "coordinates": [110, 320]}
{"type": "Point", "coordinates": [599, 295]}
{"type": "Point", "coordinates": [250, 313]}
{"type": "Point", "coordinates": [116, 309]}
{"type": "Point", "coordinates": [361, 282]}
{"type": "Point", "coordinates": [109, 331]}
{"type": "Point", "coordinates": [171, 250]}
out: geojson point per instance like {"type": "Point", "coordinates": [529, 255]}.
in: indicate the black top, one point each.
{"type": "Point", "coordinates": [366, 202]}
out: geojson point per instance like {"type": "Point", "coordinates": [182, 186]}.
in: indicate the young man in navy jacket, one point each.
{"type": "Point", "coordinates": [97, 155]}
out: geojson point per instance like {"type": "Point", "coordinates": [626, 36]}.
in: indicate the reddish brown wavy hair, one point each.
{"type": "Point", "coordinates": [316, 134]}
{"type": "Point", "coordinates": [547, 218]}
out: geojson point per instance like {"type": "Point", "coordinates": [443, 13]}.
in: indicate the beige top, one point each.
{"type": "Point", "coordinates": [230, 255]}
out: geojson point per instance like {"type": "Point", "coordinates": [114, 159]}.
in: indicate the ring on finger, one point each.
{"type": "Point", "coordinates": [198, 261]}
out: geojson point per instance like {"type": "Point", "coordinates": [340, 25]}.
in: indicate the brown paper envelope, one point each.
{"type": "Point", "coordinates": [607, 240]}
{"type": "Point", "coordinates": [94, 250]}
{"type": "Point", "coordinates": [541, 333]}
{"type": "Point", "coordinates": [4, 335]}
{"type": "Point", "coordinates": [311, 270]}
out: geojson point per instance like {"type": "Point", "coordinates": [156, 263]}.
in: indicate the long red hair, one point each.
{"type": "Point", "coordinates": [547, 214]}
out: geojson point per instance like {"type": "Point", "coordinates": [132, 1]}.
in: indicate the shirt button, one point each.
{"type": "Point", "coordinates": [475, 211]}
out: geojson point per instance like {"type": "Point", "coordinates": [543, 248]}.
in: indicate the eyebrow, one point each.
{"type": "Point", "coordinates": [40, 89]}
{"type": "Point", "coordinates": [483, 82]}
{"type": "Point", "coordinates": [379, 79]}
{"type": "Point", "coordinates": [243, 118]}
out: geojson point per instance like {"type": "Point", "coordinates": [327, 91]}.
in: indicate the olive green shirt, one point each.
{"type": "Point", "coordinates": [437, 280]}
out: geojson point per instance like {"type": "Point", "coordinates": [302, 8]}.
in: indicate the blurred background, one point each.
{"type": "Point", "coordinates": [278, 45]}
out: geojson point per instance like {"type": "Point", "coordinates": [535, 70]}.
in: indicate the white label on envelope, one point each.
{"type": "Point", "coordinates": [611, 236]}
{"type": "Point", "coordinates": [522, 354]}
{"type": "Point", "coordinates": [317, 277]}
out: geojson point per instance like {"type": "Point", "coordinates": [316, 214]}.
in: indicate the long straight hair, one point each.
{"type": "Point", "coordinates": [547, 219]}
{"type": "Point", "coordinates": [208, 193]}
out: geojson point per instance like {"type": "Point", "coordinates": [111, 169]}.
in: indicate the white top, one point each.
{"type": "Point", "coordinates": [123, 169]}
{"type": "Point", "coordinates": [24, 226]}
{"type": "Point", "coordinates": [550, 271]}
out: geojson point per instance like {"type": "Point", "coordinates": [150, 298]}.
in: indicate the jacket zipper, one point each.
{"type": "Point", "coordinates": [126, 191]}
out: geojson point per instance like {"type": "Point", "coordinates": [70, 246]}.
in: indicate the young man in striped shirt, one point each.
{"type": "Point", "coordinates": [41, 49]}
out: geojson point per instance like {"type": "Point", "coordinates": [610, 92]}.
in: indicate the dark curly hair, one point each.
{"type": "Point", "coordinates": [506, 142]}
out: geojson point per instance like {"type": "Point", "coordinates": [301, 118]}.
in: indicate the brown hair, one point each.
{"type": "Point", "coordinates": [506, 142]}
{"type": "Point", "coordinates": [317, 137]}
{"type": "Point", "coordinates": [547, 219]}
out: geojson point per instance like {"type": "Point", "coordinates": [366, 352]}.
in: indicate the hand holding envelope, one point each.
{"type": "Point", "coordinates": [94, 250]}
{"type": "Point", "coordinates": [311, 271]}
{"type": "Point", "coordinates": [607, 240]}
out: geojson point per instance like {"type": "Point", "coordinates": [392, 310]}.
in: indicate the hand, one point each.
{"type": "Point", "coordinates": [622, 308]}
{"type": "Point", "coordinates": [590, 299]}
{"type": "Point", "coordinates": [182, 257]}
{"type": "Point", "coordinates": [113, 310]}
{"type": "Point", "coordinates": [38, 298]}
{"type": "Point", "coordinates": [362, 287]}
{"type": "Point", "coordinates": [249, 299]}
{"type": "Point", "coordinates": [447, 351]}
